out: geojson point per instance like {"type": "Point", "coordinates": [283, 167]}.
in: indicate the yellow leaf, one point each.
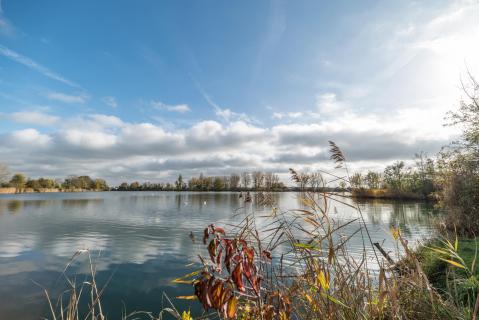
{"type": "Point", "coordinates": [454, 263]}
{"type": "Point", "coordinates": [323, 280]}
{"type": "Point", "coordinates": [308, 297]}
{"type": "Point", "coordinates": [186, 316]}
{"type": "Point", "coordinates": [192, 297]}
{"type": "Point", "coordinates": [184, 278]}
{"type": "Point", "coordinates": [440, 251]}
{"type": "Point", "coordinates": [395, 233]}
{"type": "Point", "coordinates": [231, 307]}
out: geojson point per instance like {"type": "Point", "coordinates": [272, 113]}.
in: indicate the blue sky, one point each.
{"type": "Point", "coordinates": [143, 90]}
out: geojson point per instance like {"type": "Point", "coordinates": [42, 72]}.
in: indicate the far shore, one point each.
{"type": "Point", "coordinates": [388, 195]}
{"type": "Point", "coordinates": [383, 194]}
{"type": "Point", "coordinates": [41, 190]}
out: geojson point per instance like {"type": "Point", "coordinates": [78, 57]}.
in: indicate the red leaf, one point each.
{"type": "Point", "coordinates": [249, 252]}
{"type": "Point", "coordinates": [218, 230]}
{"type": "Point", "coordinates": [229, 254]}
{"type": "Point", "coordinates": [237, 277]}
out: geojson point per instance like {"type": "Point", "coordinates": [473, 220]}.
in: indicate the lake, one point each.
{"type": "Point", "coordinates": [141, 241]}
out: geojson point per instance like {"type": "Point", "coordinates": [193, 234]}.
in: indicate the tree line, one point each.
{"type": "Point", "coordinates": [20, 181]}
{"type": "Point", "coordinates": [417, 178]}
{"type": "Point", "coordinates": [253, 181]}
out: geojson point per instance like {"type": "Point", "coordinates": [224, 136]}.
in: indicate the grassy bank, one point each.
{"type": "Point", "coordinates": [451, 267]}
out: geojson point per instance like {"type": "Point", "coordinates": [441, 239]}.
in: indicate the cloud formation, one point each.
{"type": "Point", "coordinates": [26, 61]}
{"type": "Point", "coordinates": [181, 108]}
{"type": "Point", "coordinates": [67, 98]}
{"type": "Point", "coordinates": [107, 146]}
{"type": "Point", "coordinates": [33, 117]}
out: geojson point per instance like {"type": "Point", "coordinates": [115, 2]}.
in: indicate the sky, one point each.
{"type": "Point", "coordinates": [145, 90]}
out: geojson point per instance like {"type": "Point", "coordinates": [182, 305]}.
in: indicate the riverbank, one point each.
{"type": "Point", "coordinates": [387, 194]}
{"type": "Point", "coordinates": [41, 190]}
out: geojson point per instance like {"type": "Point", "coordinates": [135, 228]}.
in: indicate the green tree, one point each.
{"type": "Point", "coordinates": [357, 181]}
{"type": "Point", "coordinates": [394, 176]}
{"type": "Point", "coordinates": [457, 176]}
{"type": "Point", "coordinates": [18, 181]}
{"type": "Point", "coordinates": [218, 184]}
{"type": "Point", "coordinates": [101, 185]}
{"type": "Point", "coordinates": [373, 180]}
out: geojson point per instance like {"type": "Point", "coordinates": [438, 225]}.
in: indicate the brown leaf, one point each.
{"type": "Point", "coordinates": [212, 250]}
{"type": "Point", "coordinates": [267, 255]}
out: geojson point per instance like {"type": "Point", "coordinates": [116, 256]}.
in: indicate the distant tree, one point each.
{"type": "Point", "coordinates": [86, 182]}
{"type": "Point", "coordinates": [180, 185]}
{"type": "Point", "coordinates": [3, 173]}
{"type": "Point", "coordinates": [258, 180]}
{"type": "Point", "coordinates": [357, 181]}
{"type": "Point", "coordinates": [46, 183]}
{"type": "Point", "coordinates": [18, 181]}
{"type": "Point", "coordinates": [245, 179]}
{"type": "Point", "coordinates": [427, 172]}
{"type": "Point", "coordinates": [394, 175]}
{"type": "Point", "coordinates": [34, 184]}
{"type": "Point", "coordinates": [123, 186]}
{"type": "Point", "coordinates": [219, 184]}
{"type": "Point", "coordinates": [234, 181]}
{"type": "Point", "coordinates": [101, 185]}
{"type": "Point", "coordinates": [373, 180]}
{"type": "Point", "coordinates": [134, 186]}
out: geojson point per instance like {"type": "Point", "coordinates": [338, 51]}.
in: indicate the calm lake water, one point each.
{"type": "Point", "coordinates": [143, 242]}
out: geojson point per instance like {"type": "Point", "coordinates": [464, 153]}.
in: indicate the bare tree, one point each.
{"type": "Point", "coordinates": [246, 179]}
{"type": "Point", "coordinates": [258, 179]}
{"type": "Point", "coordinates": [268, 180]}
{"type": "Point", "coordinates": [234, 181]}
{"type": "Point", "coordinates": [4, 173]}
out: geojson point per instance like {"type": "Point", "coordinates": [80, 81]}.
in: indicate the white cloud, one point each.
{"type": "Point", "coordinates": [67, 98]}
{"type": "Point", "coordinates": [229, 115]}
{"type": "Point", "coordinates": [292, 115]}
{"type": "Point", "coordinates": [110, 101]}
{"type": "Point", "coordinates": [106, 146]}
{"type": "Point", "coordinates": [181, 108]}
{"type": "Point", "coordinates": [88, 139]}
{"type": "Point", "coordinates": [328, 103]}
{"type": "Point", "coordinates": [106, 121]}
{"type": "Point", "coordinates": [14, 56]}
{"type": "Point", "coordinates": [29, 138]}
{"type": "Point", "coordinates": [33, 117]}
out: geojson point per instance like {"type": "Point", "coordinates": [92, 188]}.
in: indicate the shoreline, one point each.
{"type": "Point", "coordinates": [389, 195]}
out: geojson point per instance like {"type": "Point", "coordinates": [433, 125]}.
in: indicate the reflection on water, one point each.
{"type": "Point", "coordinates": [142, 239]}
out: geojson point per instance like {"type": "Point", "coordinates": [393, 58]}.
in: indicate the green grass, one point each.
{"type": "Point", "coordinates": [459, 285]}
